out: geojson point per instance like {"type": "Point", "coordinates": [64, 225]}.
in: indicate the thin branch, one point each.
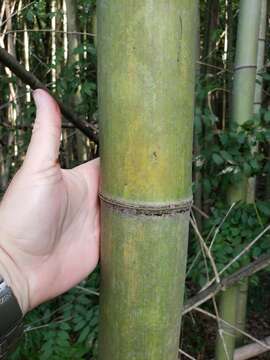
{"type": "Point", "coordinates": [221, 330]}
{"type": "Point", "coordinates": [87, 291]}
{"type": "Point", "coordinates": [212, 316]}
{"type": "Point", "coordinates": [193, 263]}
{"type": "Point", "coordinates": [50, 31]}
{"type": "Point", "coordinates": [16, 12]}
{"type": "Point", "coordinates": [203, 250]}
{"type": "Point", "coordinates": [186, 355]}
{"type": "Point", "coordinates": [245, 250]}
{"type": "Point", "coordinates": [220, 225]}
{"type": "Point", "coordinates": [202, 213]}
{"type": "Point", "coordinates": [26, 127]}
{"type": "Point", "coordinates": [208, 252]}
{"type": "Point", "coordinates": [30, 79]}
{"type": "Point", "coordinates": [213, 66]}
{"type": "Point", "coordinates": [47, 325]}
{"type": "Point", "coordinates": [261, 263]}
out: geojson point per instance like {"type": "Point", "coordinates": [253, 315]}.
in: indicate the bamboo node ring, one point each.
{"type": "Point", "coordinates": [237, 68]}
{"type": "Point", "coordinates": [182, 206]}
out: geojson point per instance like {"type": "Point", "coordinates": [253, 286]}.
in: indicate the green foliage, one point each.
{"type": "Point", "coordinates": [65, 328]}
{"type": "Point", "coordinates": [229, 233]}
{"type": "Point", "coordinates": [229, 154]}
{"type": "Point", "coordinates": [226, 156]}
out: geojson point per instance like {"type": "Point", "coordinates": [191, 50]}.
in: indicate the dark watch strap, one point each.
{"type": "Point", "coordinates": [11, 320]}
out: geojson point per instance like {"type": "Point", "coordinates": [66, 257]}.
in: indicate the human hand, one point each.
{"type": "Point", "coordinates": [49, 217]}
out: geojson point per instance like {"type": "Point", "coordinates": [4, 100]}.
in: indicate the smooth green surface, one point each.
{"type": "Point", "coordinates": [146, 67]}
{"type": "Point", "coordinates": [246, 55]}
{"type": "Point", "coordinates": [260, 58]}
{"type": "Point", "coordinates": [245, 76]}
{"type": "Point", "coordinates": [242, 309]}
{"type": "Point", "coordinates": [243, 103]}
{"type": "Point", "coordinates": [143, 264]}
{"type": "Point", "coordinates": [259, 83]}
{"type": "Point", "coordinates": [238, 191]}
{"type": "Point", "coordinates": [227, 311]}
{"type": "Point", "coordinates": [146, 70]}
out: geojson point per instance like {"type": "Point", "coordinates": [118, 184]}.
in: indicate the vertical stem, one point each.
{"type": "Point", "coordinates": [65, 132]}
{"type": "Point", "coordinates": [197, 126]}
{"type": "Point", "coordinates": [260, 58]}
{"type": "Point", "coordinates": [13, 107]}
{"type": "Point", "coordinates": [230, 55]}
{"type": "Point", "coordinates": [211, 26]}
{"type": "Point", "coordinates": [26, 60]}
{"type": "Point", "coordinates": [243, 99]}
{"type": "Point", "coordinates": [227, 311]}
{"type": "Point", "coordinates": [225, 62]}
{"type": "Point", "coordinates": [65, 32]}
{"type": "Point", "coordinates": [259, 80]}
{"type": "Point", "coordinates": [198, 196]}
{"type": "Point", "coordinates": [53, 26]}
{"type": "Point", "coordinates": [245, 74]}
{"type": "Point", "coordinates": [258, 85]}
{"type": "Point", "coordinates": [246, 60]}
{"type": "Point", "coordinates": [74, 41]}
{"type": "Point", "coordinates": [241, 309]}
{"type": "Point", "coordinates": [72, 29]}
{"type": "Point", "coordinates": [146, 68]}
{"type": "Point", "coordinates": [251, 189]}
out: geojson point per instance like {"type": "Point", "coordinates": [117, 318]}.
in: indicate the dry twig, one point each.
{"type": "Point", "coordinates": [30, 79]}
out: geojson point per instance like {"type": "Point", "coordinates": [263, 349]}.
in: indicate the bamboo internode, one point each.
{"type": "Point", "coordinates": [146, 67]}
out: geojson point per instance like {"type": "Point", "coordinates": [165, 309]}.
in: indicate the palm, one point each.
{"type": "Point", "coordinates": [54, 235]}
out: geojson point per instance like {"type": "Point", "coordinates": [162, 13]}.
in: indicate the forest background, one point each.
{"type": "Point", "coordinates": [56, 41]}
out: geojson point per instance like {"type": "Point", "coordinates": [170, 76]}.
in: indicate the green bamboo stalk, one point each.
{"type": "Point", "coordinates": [226, 336]}
{"type": "Point", "coordinates": [94, 26]}
{"type": "Point", "coordinates": [246, 60]}
{"type": "Point", "coordinates": [241, 314]}
{"type": "Point", "coordinates": [198, 196]}
{"type": "Point", "coordinates": [146, 68]}
{"type": "Point", "coordinates": [260, 58]}
{"type": "Point", "coordinates": [260, 69]}
{"type": "Point", "coordinates": [251, 188]}
{"type": "Point", "coordinates": [245, 75]}
{"type": "Point", "coordinates": [258, 85]}
{"type": "Point", "coordinates": [267, 190]}
{"type": "Point", "coordinates": [243, 102]}
{"type": "Point", "coordinates": [77, 145]}
{"type": "Point", "coordinates": [211, 18]}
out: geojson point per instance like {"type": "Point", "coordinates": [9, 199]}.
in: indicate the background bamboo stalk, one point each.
{"type": "Point", "coordinates": [74, 42]}
{"type": "Point", "coordinates": [243, 102]}
{"type": "Point", "coordinates": [251, 186]}
{"type": "Point", "coordinates": [260, 58]}
{"type": "Point", "coordinates": [251, 192]}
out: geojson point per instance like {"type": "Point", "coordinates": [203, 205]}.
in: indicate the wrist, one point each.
{"type": "Point", "coordinates": [14, 278]}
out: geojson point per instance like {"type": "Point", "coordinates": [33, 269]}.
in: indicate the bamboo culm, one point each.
{"type": "Point", "coordinates": [242, 110]}
{"type": "Point", "coordinates": [146, 71]}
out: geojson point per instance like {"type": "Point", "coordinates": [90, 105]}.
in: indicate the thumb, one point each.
{"type": "Point", "coordinates": [43, 150]}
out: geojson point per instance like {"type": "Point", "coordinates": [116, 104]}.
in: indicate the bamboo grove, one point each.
{"type": "Point", "coordinates": [174, 97]}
